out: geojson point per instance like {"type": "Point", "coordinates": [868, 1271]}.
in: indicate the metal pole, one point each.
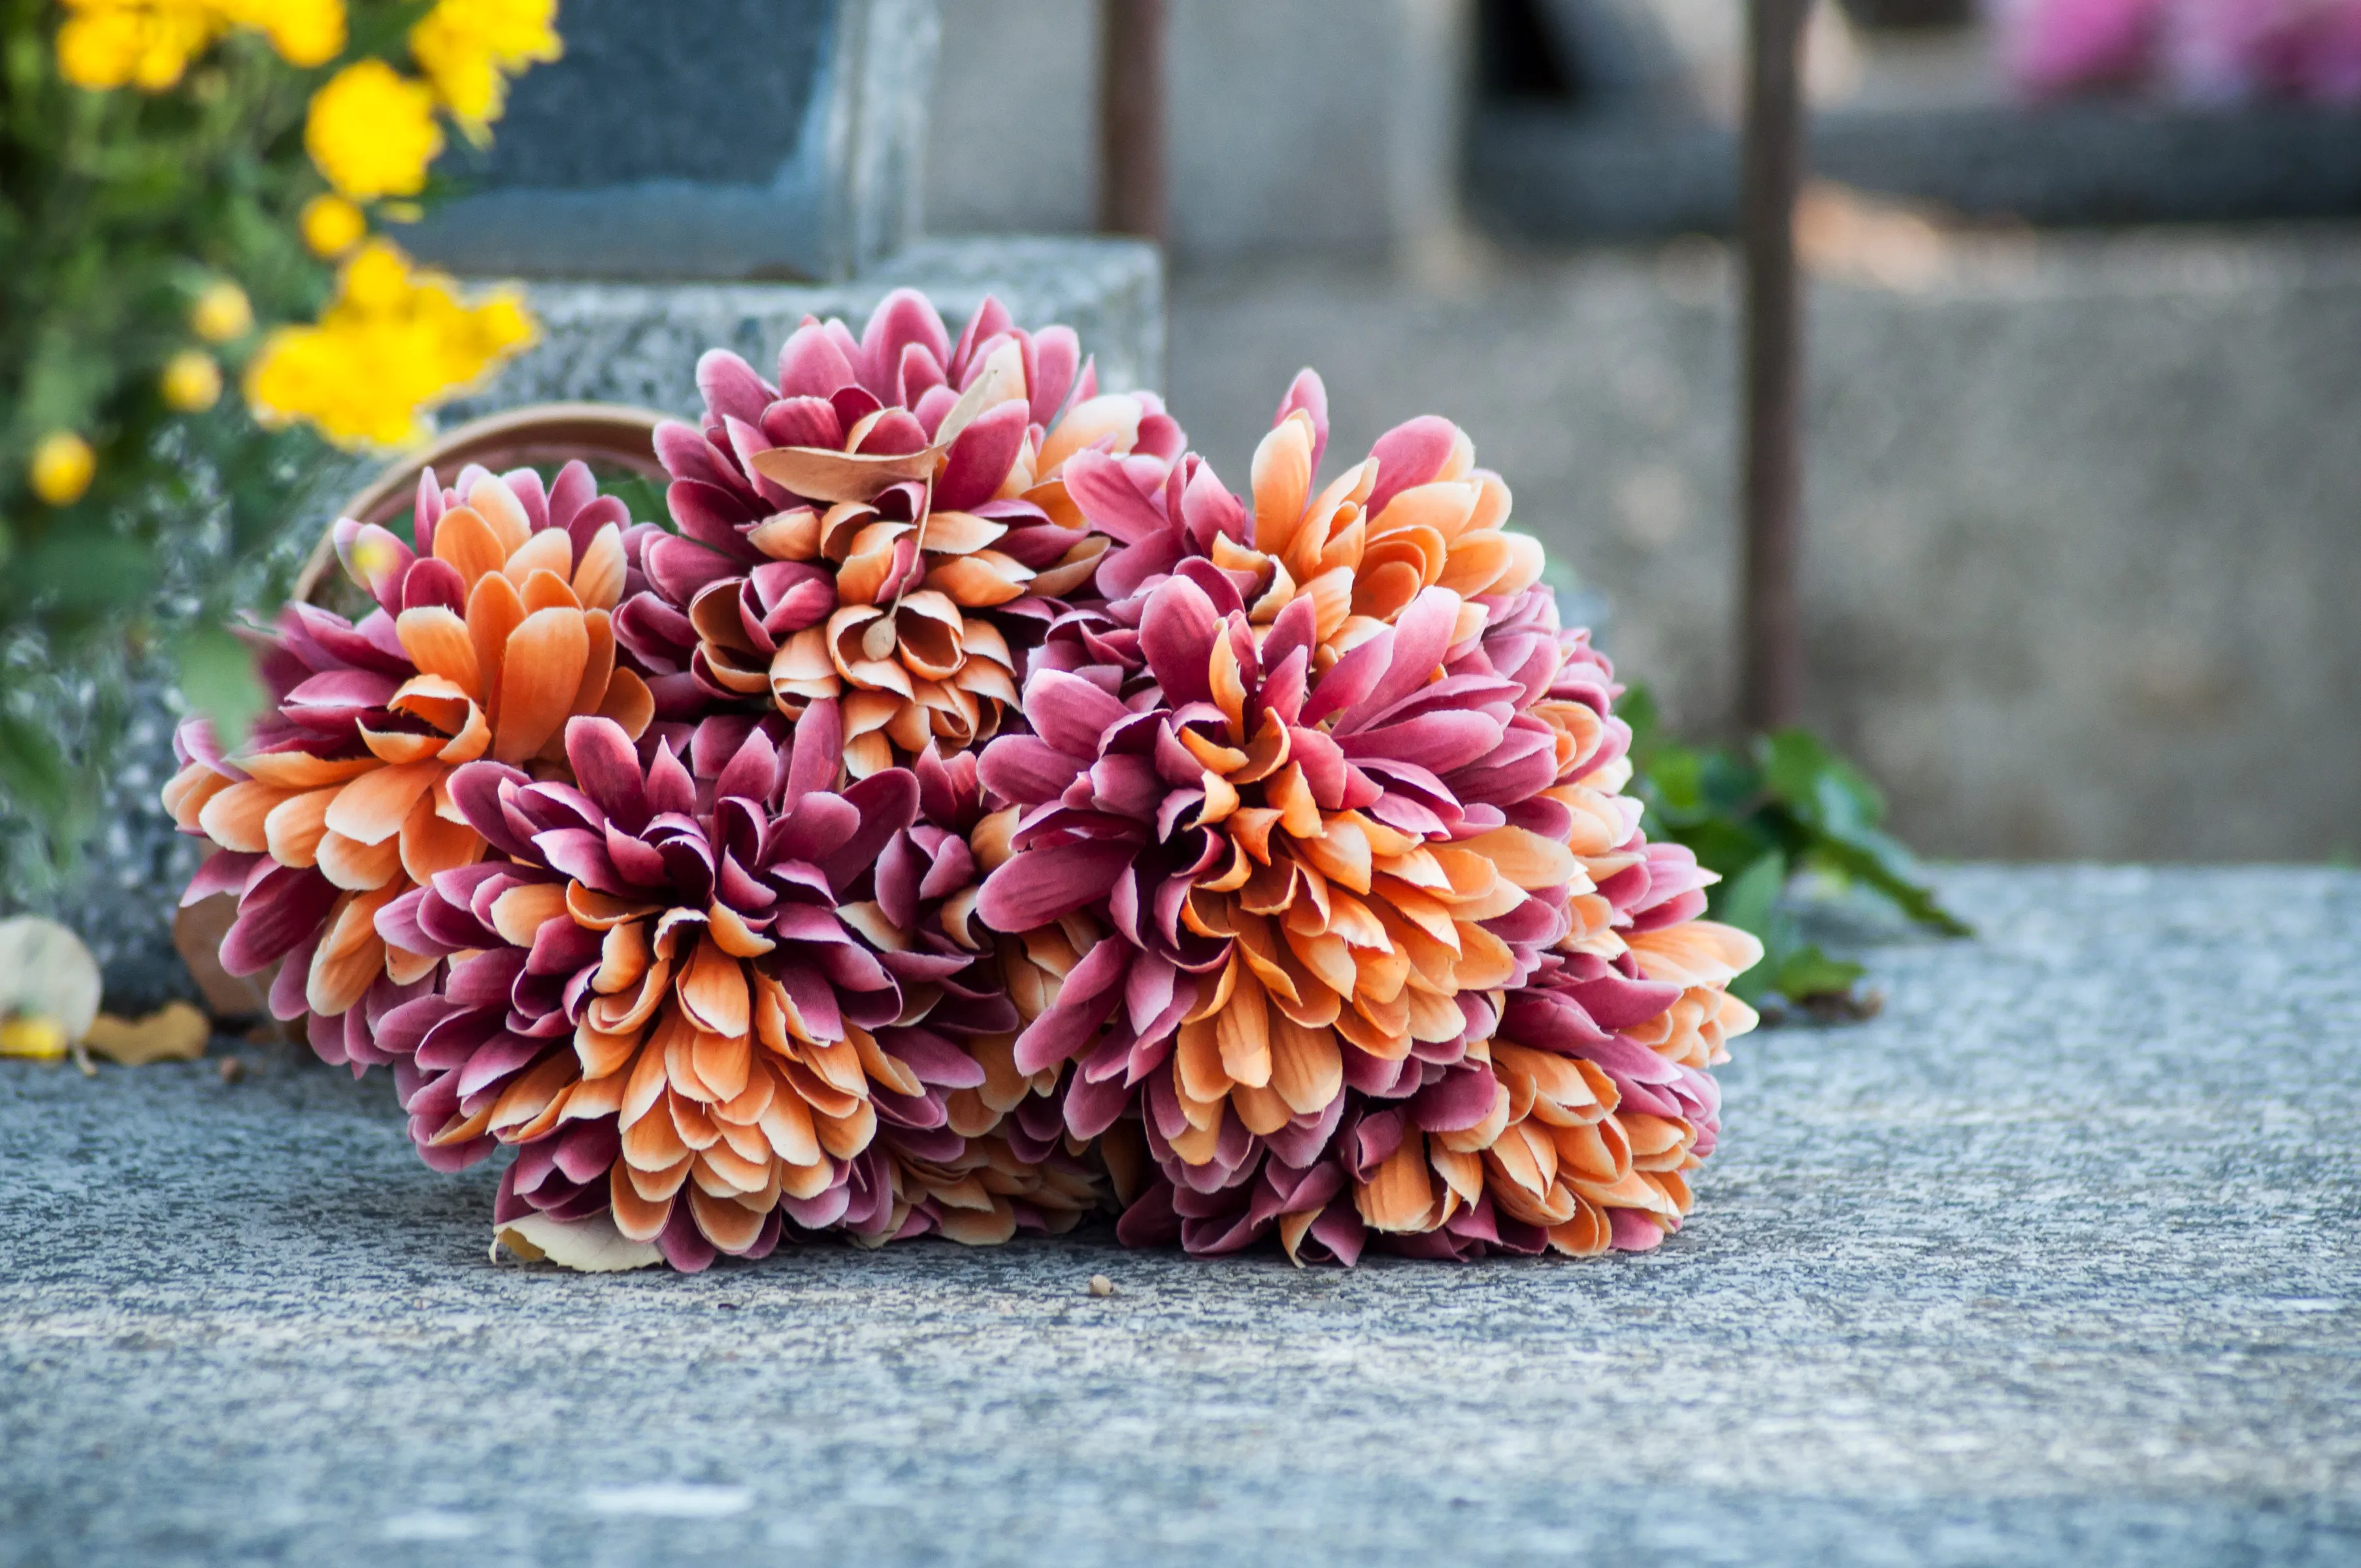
{"type": "Point", "coordinates": [1771, 647]}
{"type": "Point", "coordinates": [1131, 118]}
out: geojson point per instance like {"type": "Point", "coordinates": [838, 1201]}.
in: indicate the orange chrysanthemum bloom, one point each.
{"type": "Point", "coordinates": [480, 645]}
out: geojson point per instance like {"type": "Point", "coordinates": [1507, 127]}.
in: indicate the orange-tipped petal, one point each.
{"type": "Point", "coordinates": [540, 672]}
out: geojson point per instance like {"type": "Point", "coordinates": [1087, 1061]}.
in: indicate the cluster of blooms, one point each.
{"type": "Point", "coordinates": [149, 43]}
{"type": "Point", "coordinates": [393, 342]}
{"type": "Point", "coordinates": [2204, 50]}
{"type": "Point", "coordinates": [972, 817]}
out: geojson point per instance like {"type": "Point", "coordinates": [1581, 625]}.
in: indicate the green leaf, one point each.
{"type": "Point", "coordinates": [644, 497]}
{"type": "Point", "coordinates": [1750, 900]}
{"type": "Point", "coordinates": [1807, 972]}
{"type": "Point", "coordinates": [218, 677]}
{"type": "Point", "coordinates": [32, 771]}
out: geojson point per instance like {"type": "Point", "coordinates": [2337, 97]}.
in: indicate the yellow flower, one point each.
{"type": "Point", "coordinates": [221, 312]}
{"type": "Point", "coordinates": [106, 43]}
{"type": "Point", "coordinates": [63, 466]}
{"type": "Point", "coordinates": [464, 46]}
{"type": "Point", "coordinates": [191, 382]}
{"type": "Point", "coordinates": [42, 1039]}
{"type": "Point", "coordinates": [332, 226]}
{"type": "Point", "coordinates": [392, 342]}
{"type": "Point", "coordinates": [372, 131]}
{"type": "Point", "coordinates": [304, 32]}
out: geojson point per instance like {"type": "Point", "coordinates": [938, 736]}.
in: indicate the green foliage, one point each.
{"type": "Point", "coordinates": [1784, 804]}
{"type": "Point", "coordinates": [118, 209]}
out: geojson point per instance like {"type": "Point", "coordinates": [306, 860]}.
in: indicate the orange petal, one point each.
{"type": "Point", "coordinates": [295, 825]}
{"type": "Point", "coordinates": [629, 702]}
{"type": "Point", "coordinates": [372, 808]}
{"type": "Point", "coordinates": [350, 864]}
{"type": "Point", "coordinates": [186, 792]}
{"type": "Point", "coordinates": [464, 540]}
{"type": "Point", "coordinates": [598, 576]}
{"type": "Point", "coordinates": [518, 914]}
{"type": "Point", "coordinates": [494, 611]}
{"type": "Point", "coordinates": [550, 550]}
{"type": "Point", "coordinates": [713, 992]}
{"type": "Point", "coordinates": [235, 818]}
{"type": "Point", "coordinates": [502, 512]}
{"type": "Point", "coordinates": [301, 770]}
{"type": "Point", "coordinates": [1113, 414]}
{"type": "Point", "coordinates": [598, 665]}
{"type": "Point", "coordinates": [437, 640]}
{"type": "Point", "coordinates": [1399, 1197]}
{"type": "Point", "coordinates": [1281, 481]}
{"type": "Point", "coordinates": [547, 590]}
{"type": "Point", "coordinates": [540, 672]}
{"type": "Point", "coordinates": [1307, 1070]}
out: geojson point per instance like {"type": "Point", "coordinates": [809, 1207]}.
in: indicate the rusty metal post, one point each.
{"type": "Point", "coordinates": [1772, 633]}
{"type": "Point", "coordinates": [1132, 168]}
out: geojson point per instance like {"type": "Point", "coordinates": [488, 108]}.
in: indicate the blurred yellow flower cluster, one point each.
{"type": "Point", "coordinates": [149, 43]}
{"type": "Point", "coordinates": [393, 340]}
{"type": "Point", "coordinates": [469, 48]}
{"type": "Point", "coordinates": [372, 132]}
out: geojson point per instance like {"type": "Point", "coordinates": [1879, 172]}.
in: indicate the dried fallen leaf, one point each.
{"type": "Point", "coordinates": [174, 1032]}
{"type": "Point", "coordinates": [588, 1246]}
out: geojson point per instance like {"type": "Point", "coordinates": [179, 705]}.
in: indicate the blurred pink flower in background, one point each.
{"type": "Point", "coordinates": [2062, 46]}
{"type": "Point", "coordinates": [2200, 50]}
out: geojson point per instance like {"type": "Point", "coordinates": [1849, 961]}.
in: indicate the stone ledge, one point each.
{"type": "Point", "coordinates": [2053, 1262]}
{"type": "Point", "coordinates": [639, 342]}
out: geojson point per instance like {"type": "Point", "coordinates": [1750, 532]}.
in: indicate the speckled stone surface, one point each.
{"type": "Point", "coordinates": [2055, 1262]}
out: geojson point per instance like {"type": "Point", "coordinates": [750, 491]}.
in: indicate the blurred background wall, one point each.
{"type": "Point", "coordinates": [2083, 561]}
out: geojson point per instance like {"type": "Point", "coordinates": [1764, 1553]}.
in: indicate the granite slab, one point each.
{"type": "Point", "coordinates": [2055, 1262]}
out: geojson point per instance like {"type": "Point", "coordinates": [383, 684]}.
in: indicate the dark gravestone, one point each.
{"type": "Point", "coordinates": [724, 139]}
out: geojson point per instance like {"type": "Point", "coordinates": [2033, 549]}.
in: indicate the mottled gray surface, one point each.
{"type": "Point", "coordinates": [2054, 1263]}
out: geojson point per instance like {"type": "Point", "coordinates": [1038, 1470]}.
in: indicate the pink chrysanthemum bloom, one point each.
{"type": "Point", "coordinates": [1321, 858]}
{"type": "Point", "coordinates": [760, 983]}
{"type": "Point", "coordinates": [2230, 51]}
{"type": "Point", "coordinates": [2063, 46]}
{"type": "Point", "coordinates": [2204, 50]}
{"type": "Point", "coordinates": [1325, 845]}
{"type": "Point", "coordinates": [485, 639]}
{"type": "Point", "coordinates": [877, 526]}
{"type": "Point", "coordinates": [1415, 515]}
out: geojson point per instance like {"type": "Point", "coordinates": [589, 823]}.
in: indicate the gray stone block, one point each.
{"type": "Point", "coordinates": [738, 139]}
{"type": "Point", "coordinates": [639, 342]}
{"type": "Point", "coordinates": [2054, 1263]}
